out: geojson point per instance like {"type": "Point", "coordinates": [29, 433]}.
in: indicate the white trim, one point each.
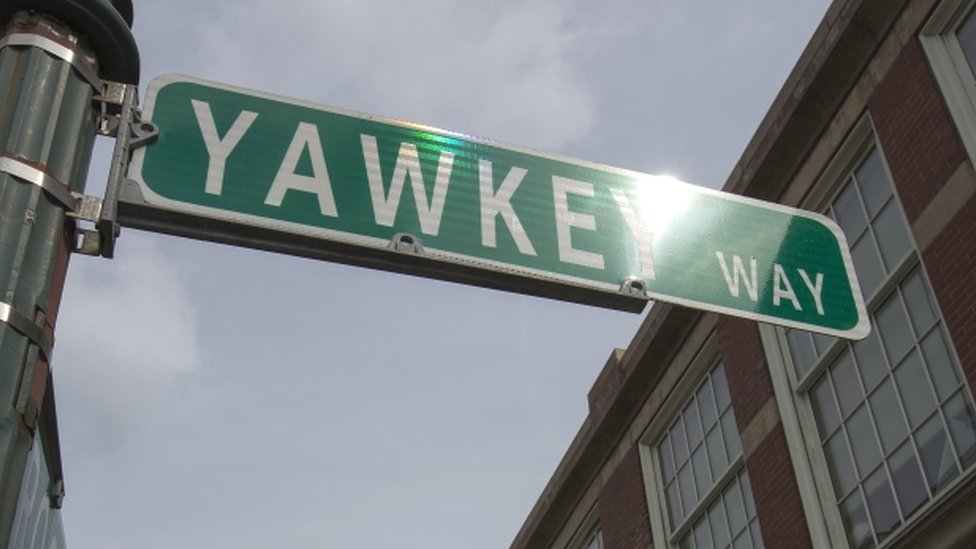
{"type": "Point", "coordinates": [823, 532]}
{"type": "Point", "coordinates": [654, 490]}
{"type": "Point", "coordinates": [587, 528]}
{"type": "Point", "coordinates": [952, 72]}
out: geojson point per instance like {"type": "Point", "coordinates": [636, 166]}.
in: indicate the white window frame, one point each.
{"type": "Point", "coordinates": [596, 535]}
{"type": "Point", "coordinates": [952, 72]}
{"type": "Point", "coordinates": [792, 394]}
{"type": "Point", "coordinates": [588, 528]}
{"type": "Point", "coordinates": [663, 536]}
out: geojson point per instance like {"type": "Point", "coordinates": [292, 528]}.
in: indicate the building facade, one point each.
{"type": "Point", "coordinates": [711, 431]}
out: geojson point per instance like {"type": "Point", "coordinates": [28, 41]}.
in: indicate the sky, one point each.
{"type": "Point", "coordinates": [213, 396]}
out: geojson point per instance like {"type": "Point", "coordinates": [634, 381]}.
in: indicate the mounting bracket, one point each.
{"type": "Point", "coordinates": [119, 118]}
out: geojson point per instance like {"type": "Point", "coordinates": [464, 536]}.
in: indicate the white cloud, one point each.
{"type": "Point", "coordinates": [332, 399]}
{"type": "Point", "coordinates": [127, 332]}
{"type": "Point", "coordinates": [507, 71]}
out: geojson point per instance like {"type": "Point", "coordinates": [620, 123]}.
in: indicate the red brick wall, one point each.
{"type": "Point", "coordinates": [776, 494]}
{"type": "Point", "coordinates": [606, 385]}
{"type": "Point", "coordinates": [745, 367]}
{"type": "Point", "coordinates": [915, 130]}
{"type": "Point", "coordinates": [951, 263]}
{"type": "Point", "coordinates": [923, 150]}
{"type": "Point", "coordinates": [771, 475]}
{"type": "Point", "coordinates": [622, 508]}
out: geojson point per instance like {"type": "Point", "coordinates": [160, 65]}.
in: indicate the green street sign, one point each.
{"type": "Point", "coordinates": [248, 168]}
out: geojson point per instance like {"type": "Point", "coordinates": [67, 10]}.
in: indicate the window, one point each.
{"type": "Point", "coordinates": [589, 534]}
{"type": "Point", "coordinates": [707, 498]}
{"type": "Point", "coordinates": [892, 414]}
{"type": "Point", "coordinates": [596, 540]}
{"type": "Point", "coordinates": [966, 35]}
{"type": "Point", "coordinates": [949, 39]}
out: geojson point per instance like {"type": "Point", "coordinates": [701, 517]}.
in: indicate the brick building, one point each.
{"type": "Point", "coordinates": [710, 431]}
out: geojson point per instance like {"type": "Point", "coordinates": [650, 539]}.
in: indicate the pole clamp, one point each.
{"type": "Point", "coordinates": [54, 187]}
{"type": "Point", "coordinates": [130, 133]}
{"type": "Point", "coordinates": [78, 206]}
{"type": "Point", "coordinates": [18, 321]}
{"type": "Point", "coordinates": [70, 55]}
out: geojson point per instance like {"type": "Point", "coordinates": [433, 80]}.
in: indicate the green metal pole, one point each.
{"type": "Point", "coordinates": [54, 55]}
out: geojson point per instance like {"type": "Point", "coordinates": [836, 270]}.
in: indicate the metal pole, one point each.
{"type": "Point", "coordinates": [54, 55]}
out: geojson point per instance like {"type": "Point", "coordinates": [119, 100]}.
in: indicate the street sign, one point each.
{"type": "Point", "coordinates": [258, 170]}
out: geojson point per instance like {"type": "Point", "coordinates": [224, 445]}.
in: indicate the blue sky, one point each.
{"type": "Point", "coordinates": [212, 396]}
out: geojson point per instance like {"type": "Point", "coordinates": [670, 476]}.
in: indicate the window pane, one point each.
{"type": "Point", "coordinates": [756, 536]}
{"type": "Point", "coordinates": [881, 503]}
{"type": "Point", "coordinates": [907, 477]}
{"type": "Point", "coordinates": [856, 521]}
{"type": "Point", "coordinates": [721, 387]}
{"type": "Point", "coordinates": [913, 386]}
{"type": "Point", "coordinates": [937, 461]}
{"type": "Point", "coordinates": [867, 264]}
{"type": "Point", "coordinates": [801, 349]}
{"type": "Point", "coordinates": [893, 325]}
{"type": "Point", "coordinates": [873, 182]}
{"type": "Point", "coordinates": [679, 442]}
{"type": "Point", "coordinates": [596, 542]}
{"type": "Point", "coordinates": [824, 408]}
{"type": "Point", "coordinates": [967, 40]}
{"type": "Point", "coordinates": [890, 230]}
{"type": "Point", "coordinates": [941, 367]}
{"type": "Point", "coordinates": [703, 539]}
{"type": "Point", "coordinates": [887, 416]}
{"type": "Point", "coordinates": [674, 503]}
{"type": "Point", "coordinates": [730, 517]}
{"type": "Point", "coordinates": [920, 307]}
{"type": "Point", "coordinates": [863, 443]}
{"type": "Point", "coordinates": [735, 509]}
{"type": "Point", "coordinates": [703, 477]}
{"type": "Point", "coordinates": [846, 386]}
{"type": "Point", "coordinates": [747, 494]}
{"type": "Point", "coordinates": [667, 462]}
{"type": "Point", "coordinates": [717, 520]}
{"type": "Point", "coordinates": [962, 425]}
{"type": "Point", "coordinates": [870, 360]}
{"type": "Point", "coordinates": [687, 489]}
{"type": "Point", "coordinates": [706, 403]}
{"type": "Point", "coordinates": [731, 434]}
{"type": "Point", "coordinates": [717, 460]}
{"type": "Point", "coordinates": [693, 426]}
{"type": "Point", "coordinates": [839, 462]}
{"type": "Point", "coordinates": [849, 213]}
{"type": "Point", "coordinates": [822, 343]}
{"type": "Point", "coordinates": [743, 541]}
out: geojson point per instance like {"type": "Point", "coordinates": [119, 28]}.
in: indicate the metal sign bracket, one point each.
{"type": "Point", "coordinates": [121, 119]}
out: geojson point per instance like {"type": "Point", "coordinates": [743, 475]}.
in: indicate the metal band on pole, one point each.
{"type": "Point", "coordinates": [106, 23]}
{"type": "Point", "coordinates": [55, 188]}
{"type": "Point", "coordinates": [75, 58]}
{"type": "Point", "coordinates": [20, 322]}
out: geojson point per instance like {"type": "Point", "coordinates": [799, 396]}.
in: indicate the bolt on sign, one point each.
{"type": "Point", "coordinates": [253, 169]}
